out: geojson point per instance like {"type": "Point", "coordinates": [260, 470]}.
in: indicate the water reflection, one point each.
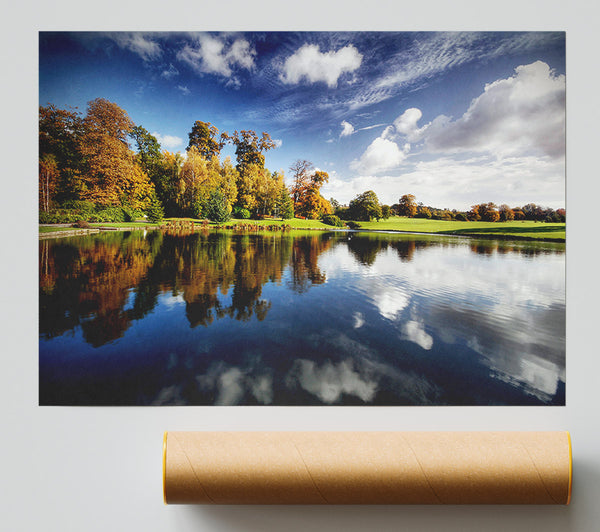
{"type": "Point", "coordinates": [333, 318]}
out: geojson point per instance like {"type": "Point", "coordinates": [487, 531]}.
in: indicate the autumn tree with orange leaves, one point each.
{"type": "Point", "coordinates": [111, 175]}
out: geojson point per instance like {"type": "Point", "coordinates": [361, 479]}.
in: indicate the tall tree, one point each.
{"type": "Point", "coordinates": [148, 149]}
{"type": "Point", "coordinates": [205, 137]}
{"type": "Point", "coordinates": [59, 136]}
{"type": "Point", "coordinates": [301, 172]}
{"type": "Point", "coordinates": [112, 176]}
{"type": "Point", "coordinates": [249, 147]}
{"type": "Point", "coordinates": [407, 206]}
{"type": "Point", "coordinates": [48, 181]}
{"type": "Point", "coordinates": [310, 203]}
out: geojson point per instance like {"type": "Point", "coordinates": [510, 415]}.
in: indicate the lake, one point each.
{"type": "Point", "coordinates": [300, 318]}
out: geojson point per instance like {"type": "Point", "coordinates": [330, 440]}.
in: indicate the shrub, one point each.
{"type": "Point", "coordinates": [81, 224]}
{"type": "Point", "coordinates": [241, 213]}
{"type": "Point", "coordinates": [332, 219]}
{"type": "Point", "coordinates": [353, 225]}
{"type": "Point", "coordinates": [130, 214]}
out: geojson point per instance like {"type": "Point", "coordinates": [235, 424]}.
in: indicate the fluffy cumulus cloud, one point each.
{"type": "Point", "coordinates": [382, 154]}
{"type": "Point", "coordinates": [406, 124]}
{"type": "Point", "coordinates": [217, 55]}
{"type": "Point", "coordinates": [139, 43]}
{"type": "Point", "coordinates": [168, 141]}
{"type": "Point", "coordinates": [310, 64]}
{"type": "Point", "coordinates": [347, 129]}
{"type": "Point", "coordinates": [518, 115]}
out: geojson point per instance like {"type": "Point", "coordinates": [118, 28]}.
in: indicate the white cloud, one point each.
{"type": "Point", "coordinates": [382, 154]}
{"type": "Point", "coordinates": [414, 332]}
{"type": "Point", "coordinates": [309, 63]}
{"type": "Point", "coordinates": [329, 381]}
{"type": "Point", "coordinates": [278, 143]}
{"type": "Point", "coordinates": [447, 182]}
{"type": "Point", "coordinates": [406, 124]}
{"type": "Point", "coordinates": [515, 116]}
{"type": "Point", "coordinates": [139, 43]}
{"type": "Point", "coordinates": [167, 141]}
{"type": "Point", "coordinates": [183, 89]}
{"type": "Point", "coordinates": [347, 129]}
{"type": "Point", "coordinates": [216, 55]}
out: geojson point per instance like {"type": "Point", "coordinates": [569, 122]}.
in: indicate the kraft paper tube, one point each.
{"type": "Point", "coordinates": [367, 467]}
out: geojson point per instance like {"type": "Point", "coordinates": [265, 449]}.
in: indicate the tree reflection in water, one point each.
{"type": "Point", "coordinates": [317, 318]}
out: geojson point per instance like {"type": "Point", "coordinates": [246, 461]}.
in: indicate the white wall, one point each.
{"type": "Point", "coordinates": [99, 469]}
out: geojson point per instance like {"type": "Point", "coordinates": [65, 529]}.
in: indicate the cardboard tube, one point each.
{"type": "Point", "coordinates": [367, 467]}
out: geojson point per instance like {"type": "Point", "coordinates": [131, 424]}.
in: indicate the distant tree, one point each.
{"type": "Point", "coordinates": [335, 204]}
{"type": "Point", "coordinates": [461, 217]}
{"type": "Point", "coordinates": [386, 211]}
{"type": "Point", "coordinates": [365, 207]}
{"type": "Point", "coordinates": [484, 211]}
{"type": "Point", "coordinates": [518, 213]}
{"type": "Point", "coordinates": [407, 206]}
{"type": "Point", "coordinates": [423, 212]}
{"type": "Point", "coordinates": [205, 137]}
{"type": "Point", "coordinates": [506, 213]}
{"type": "Point", "coordinates": [562, 214]}
{"type": "Point", "coordinates": [533, 212]}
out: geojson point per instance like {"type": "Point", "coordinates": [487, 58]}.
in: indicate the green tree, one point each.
{"type": "Point", "coordinates": [249, 147]}
{"type": "Point", "coordinates": [59, 137]}
{"type": "Point", "coordinates": [155, 211]}
{"type": "Point", "coordinates": [218, 208]}
{"type": "Point", "coordinates": [386, 211]}
{"type": "Point", "coordinates": [407, 206]}
{"type": "Point", "coordinates": [148, 147]}
{"type": "Point", "coordinates": [365, 207]}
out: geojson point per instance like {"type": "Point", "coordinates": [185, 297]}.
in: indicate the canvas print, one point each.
{"type": "Point", "coordinates": [302, 218]}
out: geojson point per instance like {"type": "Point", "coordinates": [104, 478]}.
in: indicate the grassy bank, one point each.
{"type": "Point", "coordinates": [516, 229]}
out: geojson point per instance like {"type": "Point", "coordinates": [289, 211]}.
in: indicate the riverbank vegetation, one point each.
{"type": "Point", "coordinates": [103, 170]}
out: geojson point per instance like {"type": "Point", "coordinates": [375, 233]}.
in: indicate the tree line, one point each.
{"type": "Point", "coordinates": [488, 212]}
{"type": "Point", "coordinates": [88, 170]}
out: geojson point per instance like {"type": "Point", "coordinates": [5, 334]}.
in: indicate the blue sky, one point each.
{"type": "Point", "coordinates": [453, 118]}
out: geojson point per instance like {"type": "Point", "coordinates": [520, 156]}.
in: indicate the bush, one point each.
{"type": "Point", "coordinates": [241, 213]}
{"type": "Point", "coordinates": [81, 224]}
{"type": "Point", "coordinates": [130, 214]}
{"type": "Point", "coordinates": [461, 217]}
{"type": "Point", "coordinates": [332, 219]}
{"type": "Point", "coordinates": [110, 214]}
{"type": "Point", "coordinates": [353, 225]}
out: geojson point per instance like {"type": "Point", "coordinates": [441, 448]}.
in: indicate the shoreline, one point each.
{"type": "Point", "coordinates": [485, 236]}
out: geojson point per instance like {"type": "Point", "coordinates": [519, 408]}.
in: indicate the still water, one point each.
{"type": "Point", "coordinates": [336, 318]}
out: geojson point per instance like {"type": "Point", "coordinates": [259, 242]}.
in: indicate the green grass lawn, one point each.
{"type": "Point", "coordinates": [520, 229]}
